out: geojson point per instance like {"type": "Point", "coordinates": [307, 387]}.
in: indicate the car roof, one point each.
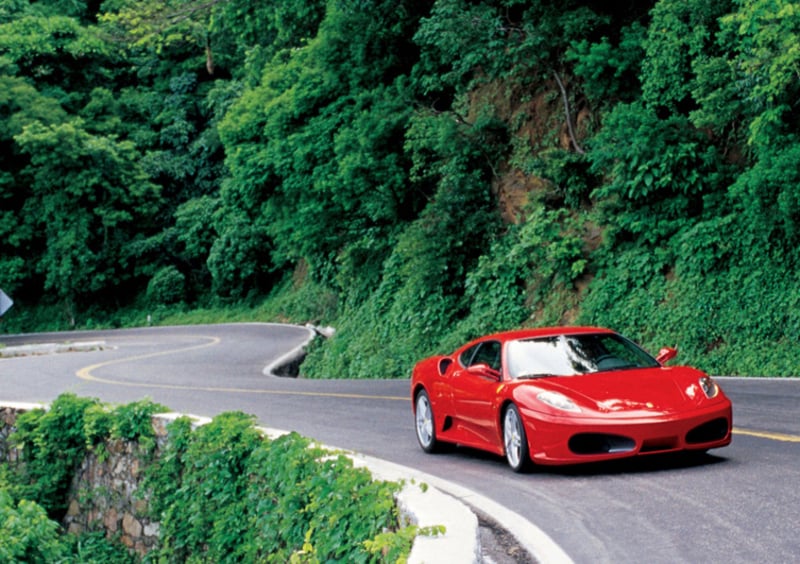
{"type": "Point", "coordinates": [543, 332]}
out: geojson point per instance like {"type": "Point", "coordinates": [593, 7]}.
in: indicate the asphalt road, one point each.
{"type": "Point", "coordinates": [739, 504]}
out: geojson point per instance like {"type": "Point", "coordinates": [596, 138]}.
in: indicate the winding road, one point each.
{"type": "Point", "coordinates": [739, 504]}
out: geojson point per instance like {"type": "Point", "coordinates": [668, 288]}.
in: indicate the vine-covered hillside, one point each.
{"type": "Point", "coordinates": [412, 172]}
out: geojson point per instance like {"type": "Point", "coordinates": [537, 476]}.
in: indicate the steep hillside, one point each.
{"type": "Point", "coordinates": [414, 173]}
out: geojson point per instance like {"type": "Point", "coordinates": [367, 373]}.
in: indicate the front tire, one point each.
{"type": "Point", "coordinates": [424, 423]}
{"type": "Point", "coordinates": [515, 441]}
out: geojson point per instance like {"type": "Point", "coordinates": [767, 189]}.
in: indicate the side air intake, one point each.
{"type": "Point", "coordinates": [712, 431]}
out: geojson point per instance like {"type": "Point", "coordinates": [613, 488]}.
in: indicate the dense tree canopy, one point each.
{"type": "Point", "coordinates": [427, 170]}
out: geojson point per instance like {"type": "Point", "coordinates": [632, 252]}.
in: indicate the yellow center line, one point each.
{"type": "Point", "coordinates": [86, 374]}
{"type": "Point", "coordinates": [766, 435]}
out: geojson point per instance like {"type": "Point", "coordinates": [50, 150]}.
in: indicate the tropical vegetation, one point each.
{"type": "Point", "coordinates": [413, 172]}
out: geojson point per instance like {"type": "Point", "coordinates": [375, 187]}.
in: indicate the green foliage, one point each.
{"type": "Point", "coordinates": [94, 547]}
{"type": "Point", "coordinates": [194, 226]}
{"type": "Point", "coordinates": [303, 497]}
{"type": "Point", "coordinates": [224, 493]}
{"type": "Point", "coordinates": [656, 172]}
{"type": "Point", "coordinates": [26, 533]}
{"type": "Point", "coordinates": [239, 259]}
{"type": "Point", "coordinates": [421, 291]}
{"type": "Point", "coordinates": [764, 38]}
{"type": "Point", "coordinates": [21, 104]}
{"type": "Point", "coordinates": [320, 139]}
{"type": "Point", "coordinates": [464, 43]}
{"type": "Point", "coordinates": [54, 47]}
{"type": "Point", "coordinates": [133, 422]}
{"type": "Point", "coordinates": [206, 505]}
{"type": "Point", "coordinates": [570, 179]}
{"type": "Point", "coordinates": [159, 25]}
{"type": "Point", "coordinates": [609, 71]}
{"type": "Point", "coordinates": [645, 157]}
{"type": "Point", "coordinates": [167, 286]}
{"type": "Point", "coordinates": [300, 301]}
{"type": "Point", "coordinates": [745, 323]}
{"type": "Point", "coordinates": [97, 424]}
{"type": "Point", "coordinates": [84, 193]}
{"type": "Point", "coordinates": [767, 197]}
{"type": "Point", "coordinates": [721, 108]}
{"type": "Point", "coordinates": [680, 35]}
{"type": "Point", "coordinates": [356, 153]}
{"type": "Point", "coordinates": [448, 38]}
{"type": "Point", "coordinates": [520, 278]}
{"type": "Point", "coordinates": [33, 491]}
{"type": "Point", "coordinates": [753, 96]}
{"type": "Point", "coordinates": [163, 478]}
{"type": "Point", "coordinates": [393, 547]}
{"type": "Point", "coordinates": [254, 34]}
{"type": "Point", "coordinates": [53, 444]}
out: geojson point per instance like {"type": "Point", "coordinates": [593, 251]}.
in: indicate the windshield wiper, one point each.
{"type": "Point", "coordinates": [533, 376]}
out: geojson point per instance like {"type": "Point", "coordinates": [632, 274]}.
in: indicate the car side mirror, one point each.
{"type": "Point", "coordinates": [666, 354]}
{"type": "Point", "coordinates": [484, 371]}
{"type": "Point", "coordinates": [444, 364]}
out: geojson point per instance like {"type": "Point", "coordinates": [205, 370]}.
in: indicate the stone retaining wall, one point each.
{"type": "Point", "coordinates": [8, 420]}
{"type": "Point", "coordinates": [104, 489]}
{"type": "Point", "coordinates": [104, 496]}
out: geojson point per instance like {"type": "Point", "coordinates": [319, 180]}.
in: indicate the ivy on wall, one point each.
{"type": "Point", "coordinates": [221, 492]}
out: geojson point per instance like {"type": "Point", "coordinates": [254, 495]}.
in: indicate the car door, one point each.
{"type": "Point", "coordinates": [475, 385]}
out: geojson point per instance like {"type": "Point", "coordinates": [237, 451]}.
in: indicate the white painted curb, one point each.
{"type": "Point", "coordinates": [426, 506]}
{"type": "Point", "coordinates": [293, 355]}
{"type": "Point", "coordinates": [443, 503]}
{"type": "Point", "coordinates": [459, 539]}
{"type": "Point", "coordinates": [51, 348]}
{"type": "Point", "coordinates": [419, 503]}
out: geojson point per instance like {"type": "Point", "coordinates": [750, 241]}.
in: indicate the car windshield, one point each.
{"type": "Point", "coordinates": [572, 355]}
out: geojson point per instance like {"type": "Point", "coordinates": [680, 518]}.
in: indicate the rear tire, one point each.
{"type": "Point", "coordinates": [515, 441]}
{"type": "Point", "coordinates": [425, 424]}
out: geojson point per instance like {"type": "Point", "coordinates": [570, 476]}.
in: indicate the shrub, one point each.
{"type": "Point", "coordinates": [53, 444]}
{"type": "Point", "coordinates": [167, 286]}
{"type": "Point", "coordinates": [224, 493]}
{"type": "Point", "coordinates": [55, 441]}
{"type": "Point", "coordinates": [730, 311]}
{"type": "Point", "coordinates": [221, 493]}
{"type": "Point", "coordinates": [26, 532]}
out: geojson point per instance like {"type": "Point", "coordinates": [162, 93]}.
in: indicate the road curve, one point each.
{"type": "Point", "coordinates": [739, 504]}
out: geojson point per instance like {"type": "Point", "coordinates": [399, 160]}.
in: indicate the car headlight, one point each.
{"type": "Point", "coordinates": [559, 401]}
{"type": "Point", "coordinates": [709, 386]}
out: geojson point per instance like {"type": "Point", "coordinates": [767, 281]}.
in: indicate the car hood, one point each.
{"type": "Point", "coordinates": [631, 392]}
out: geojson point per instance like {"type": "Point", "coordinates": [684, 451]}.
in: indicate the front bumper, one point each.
{"type": "Point", "coordinates": [571, 440]}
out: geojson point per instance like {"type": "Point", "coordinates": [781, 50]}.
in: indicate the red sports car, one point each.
{"type": "Point", "coordinates": [566, 395]}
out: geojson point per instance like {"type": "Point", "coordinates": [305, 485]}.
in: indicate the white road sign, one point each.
{"type": "Point", "coordinates": [5, 302]}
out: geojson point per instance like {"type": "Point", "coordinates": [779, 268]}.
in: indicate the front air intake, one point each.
{"type": "Point", "coordinates": [713, 430]}
{"type": "Point", "coordinates": [600, 443]}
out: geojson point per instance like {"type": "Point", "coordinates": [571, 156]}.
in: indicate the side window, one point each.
{"type": "Point", "coordinates": [488, 353]}
{"type": "Point", "coordinates": [466, 357]}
